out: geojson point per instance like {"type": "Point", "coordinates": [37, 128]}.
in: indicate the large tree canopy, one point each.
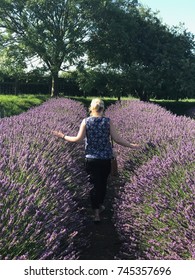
{"type": "Point", "coordinates": [141, 55]}
{"type": "Point", "coordinates": [157, 60]}
{"type": "Point", "coordinates": [52, 29]}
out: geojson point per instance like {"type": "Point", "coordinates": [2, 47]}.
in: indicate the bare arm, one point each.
{"type": "Point", "coordinates": [119, 140]}
{"type": "Point", "coordinates": [80, 136]}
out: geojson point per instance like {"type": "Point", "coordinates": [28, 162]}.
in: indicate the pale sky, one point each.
{"type": "Point", "coordinates": [172, 12]}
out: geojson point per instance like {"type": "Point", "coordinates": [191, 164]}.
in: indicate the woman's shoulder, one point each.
{"type": "Point", "coordinates": [87, 118]}
{"type": "Point", "coordinates": [107, 119]}
{"type": "Point", "coordinates": [91, 118]}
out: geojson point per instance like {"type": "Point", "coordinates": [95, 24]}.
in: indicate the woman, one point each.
{"type": "Point", "coordinates": [97, 131]}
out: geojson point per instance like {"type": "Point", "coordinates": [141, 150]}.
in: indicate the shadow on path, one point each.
{"type": "Point", "coordinates": [104, 241]}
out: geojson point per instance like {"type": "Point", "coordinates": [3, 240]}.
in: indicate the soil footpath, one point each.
{"type": "Point", "coordinates": [104, 241]}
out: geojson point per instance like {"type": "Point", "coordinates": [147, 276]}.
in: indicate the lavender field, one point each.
{"type": "Point", "coordinates": [43, 183]}
{"type": "Point", "coordinates": [42, 180]}
{"type": "Point", "coordinates": [155, 208]}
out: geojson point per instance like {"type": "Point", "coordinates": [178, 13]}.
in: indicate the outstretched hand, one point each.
{"type": "Point", "coordinates": [57, 133]}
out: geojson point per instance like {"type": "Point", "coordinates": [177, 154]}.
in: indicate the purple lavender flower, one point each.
{"type": "Point", "coordinates": [42, 180]}
{"type": "Point", "coordinates": [154, 210]}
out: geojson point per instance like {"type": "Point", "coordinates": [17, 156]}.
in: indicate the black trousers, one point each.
{"type": "Point", "coordinates": [98, 170]}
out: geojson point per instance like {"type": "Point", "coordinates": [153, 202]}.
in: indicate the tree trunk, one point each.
{"type": "Point", "coordinates": [84, 94]}
{"type": "Point", "coordinates": [16, 86]}
{"type": "Point", "coordinates": [54, 85]}
{"type": "Point", "coordinates": [144, 96]}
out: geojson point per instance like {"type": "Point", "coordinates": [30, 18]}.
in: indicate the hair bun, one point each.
{"type": "Point", "coordinates": [96, 105]}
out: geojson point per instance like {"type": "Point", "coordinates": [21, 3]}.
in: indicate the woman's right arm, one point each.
{"type": "Point", "coordinates": [119, 140]}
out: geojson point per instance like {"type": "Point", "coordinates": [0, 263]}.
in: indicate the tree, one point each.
{"type": "Point", "coordinates": [130, 42]}
{"type": "Point", "coordinates": [178, 65]}
{"type": "Point", "coordinates": [112, 40]}
{"type": "Point", "coordinates": [12, 61]}
{"type": "Point", "coordinates": [133, 41]}
{"type": "Point", "coordinates": [54, 30]}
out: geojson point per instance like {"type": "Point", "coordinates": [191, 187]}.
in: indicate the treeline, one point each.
{"type": "Point", "coordinates": [116, 47]}
{"type": "Point", "coordinates": [41, 85]}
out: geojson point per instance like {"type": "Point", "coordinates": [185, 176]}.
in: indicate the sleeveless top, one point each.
{"type": "Point", "coordinates": [97, 141]}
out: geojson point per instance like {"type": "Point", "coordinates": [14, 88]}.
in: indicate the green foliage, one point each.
{"type": "Point", "coordinates": [157, 61]}
{"type": "Point", "coordinates": [52, 30]}
{"type": "Point", "coordinates": [14, 105]}
{"type": "Point", "coordinates": [120, 47]}
{"type": "Point", "coordinates": [12, 58]}
{"type": "Point", "coordinates": [176, 107]}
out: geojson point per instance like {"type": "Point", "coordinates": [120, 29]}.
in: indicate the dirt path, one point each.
{"type": "Point", "coordinates": [104, 240]}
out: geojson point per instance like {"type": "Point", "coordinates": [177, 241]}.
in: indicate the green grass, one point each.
{"type": "Point", "coordinates": [107, 100]}
{"type": "Point", "coordinates": [16, 104]}
{"type": "Point", "coordinates": [176, 107]}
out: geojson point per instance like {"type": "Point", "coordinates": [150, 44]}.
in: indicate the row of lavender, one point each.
{"type": "Point", "coordinates": [41, 182]}
{"type": "Point", "coordinates": [155, 209]}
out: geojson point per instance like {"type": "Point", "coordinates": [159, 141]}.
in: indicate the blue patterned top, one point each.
{"type": "Point", "coordinates": [97, 142]}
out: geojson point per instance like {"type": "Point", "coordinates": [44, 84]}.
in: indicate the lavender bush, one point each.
{"type": "Point", "coordinates": [42, 181]}
{"type": "Point", "coordinates": [146, 123]}
{"type": "Point", "coordinates": [155, 210]}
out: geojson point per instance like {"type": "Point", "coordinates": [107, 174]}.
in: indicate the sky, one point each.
{"type": "Point", "coordinates": [172, 12]}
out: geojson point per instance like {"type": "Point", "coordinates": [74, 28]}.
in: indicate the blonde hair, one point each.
{"type": "Point", "coordinates": [96, 105]}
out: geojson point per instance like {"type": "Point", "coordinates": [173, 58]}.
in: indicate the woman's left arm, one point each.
{"type": "Point", "coordinates": [80, 136]}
